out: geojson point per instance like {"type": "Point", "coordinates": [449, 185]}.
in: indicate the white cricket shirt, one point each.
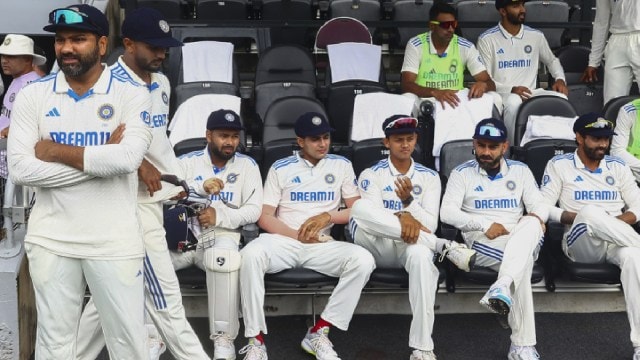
{"type": "Point", "coordinates": [615, 17]}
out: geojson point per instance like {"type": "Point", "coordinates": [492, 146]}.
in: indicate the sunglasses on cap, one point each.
{"type": "Point", "coordinates": [68, 17]}
{"type": "Point", "coordinates": [600, 124]}
{"type": "Point", "coordinates": [445, 24]}
{"type": "Point", "coordinates": [490, 130]}
{"type": "Point", "coordinates": [401, 123]}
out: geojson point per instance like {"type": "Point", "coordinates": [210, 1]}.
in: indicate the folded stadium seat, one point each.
{"type": "Point", "coordinates": [184, 91]}
{"type": "Point", "coordinates": [410, 10]}
{"type": "Point", "coordinates": [612, 107]}
{"type": "Point", "coordinates": [171, 9]}
{"type": "Point", "coordinates": [288, 10]}
{"type": "Point", "coordinates": [283, 71]}
{"type": "Point", "coordinates": [189, 145]}
{"type": "Point", "coordinates": [541, 11]}
{"type": "Point", "coordinates": [584, 97]}
{"type": "Point", "coordinates": [476, 11]}
{"type": "Point", "coordinates": [536, 153]}
{"type": "Point", "coordinates": [452, 154]}
{"type": "Point", "coordinates": [207, 10]}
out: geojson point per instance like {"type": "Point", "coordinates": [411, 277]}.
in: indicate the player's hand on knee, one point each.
{"type": "Point", "coordinates": [496, 230]}
{"type": "Point", "coordinates": [447, 96]}
{"type": "Point", "coordinates": [207, 217]}
{"type": "Point", "coordinates": [309, 231]}
{"type": "Point", "coordinates": [409, 227]}
{"type": "Point", "coordinates": [213, 186]}
{"type": "Point", "coordinates": [478, 89]}
{"type": "Point", "coordinates": [521, 91]}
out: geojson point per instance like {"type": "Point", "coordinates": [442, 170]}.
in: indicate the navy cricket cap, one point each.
{"type": "Point", "coordinates": [149, 26]}
{"type": "Point", "coordinates": [312, 124]}
{"type": "Point", "coordinates": [399, 124]}
{"type": "Point", "coordinates": [224, 119]}
{"type": "Point", "coordinates": [503, 3]}
{"type": "Point", "coordinates": [79, 17]}
{"type": "Point", "coordinates": [491, 129]}
{"type": "Point", "coordinates": [593, 124]}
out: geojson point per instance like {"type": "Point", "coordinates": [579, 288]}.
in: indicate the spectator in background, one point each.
{"type": "Point", "coordinates": [626, 143]}
{"type": "Point", "coordinates": [512, 53]}
{"type": "Point", "coordinates": [41, 69]}
{"type": "Point", "coordinates": [621, 19]}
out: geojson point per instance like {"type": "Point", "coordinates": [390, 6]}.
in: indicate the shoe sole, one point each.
{"type": "Point", "coordinates": [307, 348]}
{"type": "Point", "coordinates": [499, 307]}
{"type": "Point", "coordinates": [225, 358]}
{"type": "Point", "coordinates": [472, 262]}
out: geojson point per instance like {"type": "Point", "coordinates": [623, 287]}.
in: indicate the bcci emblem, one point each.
{"type": "Point", "coordinates": [417, 189]}
{"type": "Point", "coordinates": [229, 117]}
{"type": "Point", "coordinates": [105, 111]}
{"type": "Point", "coordinates": [164, 26]}
{"type": "Point", "coordinates": [329, 178]}
{"type": "Point", "coordinates": [231, 178]}
{"type": "Point", "coordinates": [220, 260]}
{"type": "Point", "coordinates": [454, 66]}
{"type": "Point", "coordinates": [165, 98]}
{"type": "Point", "coordinates": [316, 121]}
{"type": "Point", "coordinates": [511, 185]}
{"type": "Point", "coordinates": [610, 180]}
{"type": "Point", "coordinates": [364, 184]}
{"type": "Point", "coordinates": [527, 49]}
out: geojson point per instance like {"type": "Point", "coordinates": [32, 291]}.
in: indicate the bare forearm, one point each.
{"type": "Point", "coordinates": [273, 225]}
{"type": "Point", "coordinates": [567, 217]}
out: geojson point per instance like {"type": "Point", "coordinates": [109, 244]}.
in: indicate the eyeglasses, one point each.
{"type": "Point", "coordinates": [232, 206]}
{"type": "Point", "coordinates": [600, 124]}
{"type": "Point", "coordinates": [445, 24]}
{"type": "Point", "coordinates": [402, 123]}
{"type": "Point", "coordinates": [490, 130]}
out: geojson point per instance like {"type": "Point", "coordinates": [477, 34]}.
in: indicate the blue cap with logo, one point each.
{"type": "Point", "coordinates": [312, 124]}
{"type": "Point", "coordinates": [78, 17]}
{"type": "Point", "coordinates": [491, 129]}
{"type": "Point", "coordinates": [593, 124]}
{"type": "Point", "coordinates": [149, 26]}
{"type": "Point", "coordinates": [224, 119]}
{"type": "Point", "coordinates": [399, 124]}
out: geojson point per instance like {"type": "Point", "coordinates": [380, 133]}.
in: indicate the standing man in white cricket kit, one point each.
{"type": "Point", "coordinates": [621, 19]}
{"type": "Point", "coordinates": [512, 52]}
{"type": "Point", "coordinates": [302, 196]}
{"type": "Point", "coordinates": [626, 143]}
{"type": "Point", "coordinates": [486, 199]}
{"type": "Point", "coordinates": [238, 203]}
{"type": "Point", "coordinates": [78, 137]}
{"type": "Point", "coordinates": [410, 191]}
{"type": "Point", "coordinates": [146, 37]}
{"type": "Point", "coordinates": [598, 202]}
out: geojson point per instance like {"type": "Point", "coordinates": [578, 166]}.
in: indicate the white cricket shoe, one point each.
{"type": "Point", "coordinates": [498, 300]}
{"type": "Point", "coordinates": [636, 353]}
{"type": "Point", "coordinates": [156, 348]}
{"type": "Point", "coordinates": [460, 255]}
{"type": "Point", "coordinates": [523, 353]}
{"type": "Point", "coordinates": [254, 350]}
{"type": "Point", "coordinates": [319, 345]}
{"type": "Point", "coordinates": [422, 355]}
{"type": "Point", "coordinates": [223, 348]}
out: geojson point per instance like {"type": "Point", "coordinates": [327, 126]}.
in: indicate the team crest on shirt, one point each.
{"type": "Point", "coordinates": [545, 180]}
{"type": "Point", "coordinates": [454, 66]}
{"type": "Point", "coordinates": [417, 189]}
{"type": "Point", "coordinates": [511, 185]}
{"type": "Point", "coordinates": [12, 97]}
{"type": "Point", "coordinates": [329, 178]}
{"type": "Point", "coordinates": [364, 184]}
{"type": "Point", "coordinates": [145, 117]}
{"type": "Point", "coordinates": [232, 178]}
{"type": "Point", "coordinates": [105, 111]}
{"type": "Point", "coordinates": [165, 98]}
{"type": "Point", "coordinates": [527, 49]}
{"type": "Point", "coordinates": [610, 180]}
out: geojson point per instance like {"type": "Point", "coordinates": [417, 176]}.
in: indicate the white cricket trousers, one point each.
{"type": "Point", "coordinates": [513, 255]}
{"type": "Point", "coordinates": [190, 258]}
{"type": "Point", "coordinates": [622, 64]}
{"type": "Point", "coordinates": [60, 284]}
{"type": "Point", "coordinates": [272, 253]}
{"type": "Point", "coordinates": [378, 231]}
{"type": "Point", "coordinates": [597, 237]}
{"type": "Point", "coordinates": [512, 102]}
{"type": "Point", "coordinates": [162, 300]}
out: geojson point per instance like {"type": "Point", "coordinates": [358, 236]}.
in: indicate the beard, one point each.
{"type": "Point", "coordinates": [591, 152]}
{"type": "Point", "coordinates": [85, 62]}
{"type": "Point", "coordinates": [220, 154]}
{"type": "Point", "coordinates": [515, 19]}
{"type": "Point", "coordinates": [488, 163]}
{"type": "Point", "coordinates": [148, 66]}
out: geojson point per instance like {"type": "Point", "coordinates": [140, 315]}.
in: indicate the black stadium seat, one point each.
{"type": "Point", "coordinates": [611, 108]}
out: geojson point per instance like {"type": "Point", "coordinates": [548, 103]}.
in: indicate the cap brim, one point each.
{"type": "Point", "coordinates": [599, 133]}
{"type": "Point", "coordinates": [490, 138]}
{"type": "Point", "coordinates": [226, 128]}
{"type": "Point", "coordinates": [162, 42]}
{"type": "Point", "coordinates": [400, 131]}
{"type": "Point", "coordinates": [37, 59]}
{"type": "Point", "coordinates": [317, 132]}
{"type": "Point", "coordinates": [83, 27]}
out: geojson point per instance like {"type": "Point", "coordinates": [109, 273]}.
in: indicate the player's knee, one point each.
{"type": "Point", "coordinates": [362, 259]}
{"type": "Point", "coordinates": [360, 208]}
{"type": "Point", "coordinates": [593, 214]}
{"type": "Point", "coordinates": [512, 101]}
{"type": "Point", "coordinates": [419, 254]}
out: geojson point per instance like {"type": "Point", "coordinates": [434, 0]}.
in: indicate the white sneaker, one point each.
{"type": "Point", "coordinates": [156, 348]}
{"type": "Point", "coordinates": [422, 355]}
{"type": "Point", "coordinates": [636, 353]}
{"type": "Point", "coordinates": [223, 348]}
{"type": "Point", "coordinates": [523, 353]}
{"type": "Point", "coordinates": [460, 255]}
{"type": "Point", "coordinates": [254, 350]}
{"type": "Point", "coordinates": [319, 345]}
{"type": "Point", "coordinates": [498, 300]}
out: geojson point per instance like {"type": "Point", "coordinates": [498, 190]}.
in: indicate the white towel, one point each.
{"type": "Point", "coordinates": [207, 61]}
{"type": "Point", "coordinates": [354, 61]}
{"type": "Point", "coordinates": [190, 120]}
{"type": "Point", "coordinates": [548, 127]}
{"type": "Point", "coordinates": [459, 122]}
{"type": "Point", "coordinates": [370, 110]}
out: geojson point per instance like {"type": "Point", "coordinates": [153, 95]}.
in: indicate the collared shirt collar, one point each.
{"type": "Point", "coordinates": [217, 170]}
{"type": "Point", "coordinates": [504, 169]}
{"type": "Point", "coordinates": [432, 48]}
{"type": "Point", "coordinates": [101, 86]}
{"type": "Point", "coordinates": [508, 35]}
{"type": "Point", "coordinates": [308, 163]}
{"type": "Point", "coordinates": [396, 173]}
{"type": "Point", "coordinates": [154, 84]}
{"type": "Point", "coordinates": [580, 165]}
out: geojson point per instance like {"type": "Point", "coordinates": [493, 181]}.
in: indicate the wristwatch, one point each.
{"type": "Point", "coordinates": [407, 201]}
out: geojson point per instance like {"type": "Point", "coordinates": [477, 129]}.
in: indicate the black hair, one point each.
{"type": "Point", "coordinates": [441, 7]}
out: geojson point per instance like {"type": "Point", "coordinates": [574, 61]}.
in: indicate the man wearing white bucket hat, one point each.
{"type": "Point", "coordinates": [17, 59]}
